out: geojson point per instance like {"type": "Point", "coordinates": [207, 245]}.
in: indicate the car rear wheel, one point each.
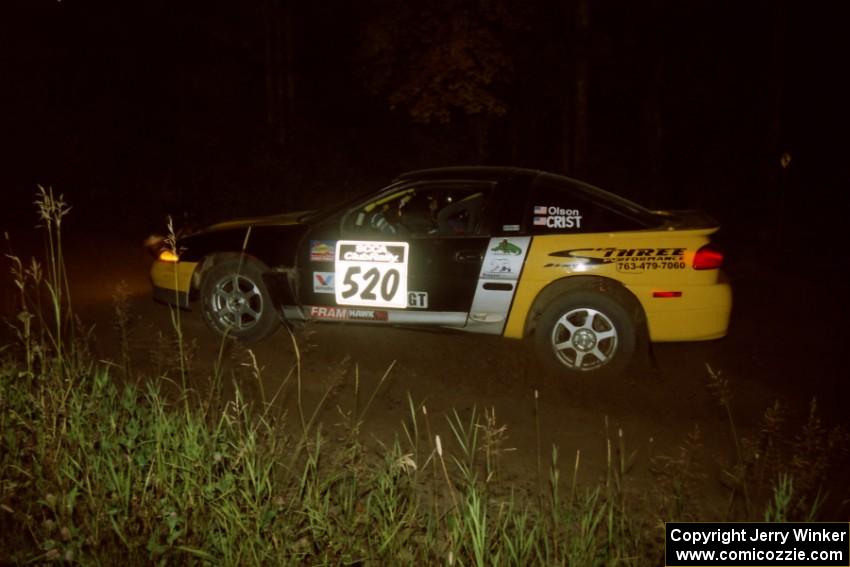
{"type": "Point", "coordinates": [235, 301]}
{"type": "Point", "coordinates": [586, 333]}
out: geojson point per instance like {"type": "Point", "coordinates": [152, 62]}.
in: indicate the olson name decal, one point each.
{"type": "Point", "coordinates": [556, 217]}
{"type": "Point", "coordinates": [626, 259]}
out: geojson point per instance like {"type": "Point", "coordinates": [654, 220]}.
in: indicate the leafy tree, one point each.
{"type": "Point", "coordinates": [437, 58]}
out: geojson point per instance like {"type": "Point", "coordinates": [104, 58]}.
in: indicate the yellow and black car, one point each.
{"type": "Point", "coordinates": [503, 251]}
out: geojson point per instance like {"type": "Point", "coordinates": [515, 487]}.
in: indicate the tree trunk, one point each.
{"type": "Point", "coordinates": [285, 84]}
{"type": "Point", "coordinates": [653, 120]}
{"type": "Point", "coordinates": [780, 157]}
{"type": "Point", "coordinates": [567, 72]}
{"type": "Point", "coordinates": [269, 10]}
{"type": "Point", "coordinates": [481, 133]}
{"type": "Point", "coordinates": [582, 89]}
{"type": "Point", "coordinates": [280, 80]}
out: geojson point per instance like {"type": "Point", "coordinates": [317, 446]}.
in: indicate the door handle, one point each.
{"type": "Point", "coordinates": [468, 256]}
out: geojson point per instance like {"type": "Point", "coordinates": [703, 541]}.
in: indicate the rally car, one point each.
{"type": "Point", "coordinates": [505, 251]}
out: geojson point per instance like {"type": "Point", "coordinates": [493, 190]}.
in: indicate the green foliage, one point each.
{"type": "Point", "coordinates": [94, 470]}
{"type": "Point", "coordinates": [434, 59]}
{"type": "Point", "coordinates": [786, 471]}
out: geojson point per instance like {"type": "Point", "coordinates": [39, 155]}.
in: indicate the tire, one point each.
{"type": "Point", "coordinates": [235, 301]}
{"type": "Point", "coordinates": [586, 333]}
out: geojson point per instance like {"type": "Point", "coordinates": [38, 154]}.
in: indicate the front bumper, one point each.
{"type": "Point", "coordinates": [172, 282]}
{"type": "Point", "coordinates": [171, 297]}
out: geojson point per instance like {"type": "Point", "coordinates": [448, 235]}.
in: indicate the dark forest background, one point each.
{"type": "Point", "coordinates": [207, 110]}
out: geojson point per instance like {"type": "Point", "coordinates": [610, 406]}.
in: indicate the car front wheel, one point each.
{"type": "Point", "coordinates": [586, 333]}
{"type": "Point", "coordinates": [235, 301]}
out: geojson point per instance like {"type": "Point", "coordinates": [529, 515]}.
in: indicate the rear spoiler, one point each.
{"type": "Point", "coordinates": [688, 219]}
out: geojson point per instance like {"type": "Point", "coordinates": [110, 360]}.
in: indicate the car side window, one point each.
{"type": "Point", "coordinates": [558, 208]}
{"type": "Point", "coordinates": [422, 211]}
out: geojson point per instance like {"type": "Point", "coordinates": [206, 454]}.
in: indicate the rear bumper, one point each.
{"type": "Point", "coordinates": [701, 313]}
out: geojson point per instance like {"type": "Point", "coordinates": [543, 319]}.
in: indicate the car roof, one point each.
{"type": "Point", "coordinates": [495, 173]}
{"type": "Point", "coordinates": [467, 172]}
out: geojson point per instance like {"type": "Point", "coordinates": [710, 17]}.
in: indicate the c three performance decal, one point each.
{"type": "Point", "coordinates": [625, 259]}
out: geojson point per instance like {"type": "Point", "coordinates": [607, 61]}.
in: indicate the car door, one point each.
{"type": "Point", "coordinates": [410, 255]}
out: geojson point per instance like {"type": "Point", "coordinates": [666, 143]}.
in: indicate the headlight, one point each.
{"type": "Point", "coordinates": [168, 256]}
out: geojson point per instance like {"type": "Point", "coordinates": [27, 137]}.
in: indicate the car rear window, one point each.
{"type": "Point", "coordinates": [562, 205]}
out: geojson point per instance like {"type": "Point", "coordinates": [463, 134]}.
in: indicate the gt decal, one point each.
{"type": "Point", "coordinates": [372, 274]}
{"type": "Point", "coordinates": [417, 299]}
{"type": "Point", "coordinates": [626, 259]}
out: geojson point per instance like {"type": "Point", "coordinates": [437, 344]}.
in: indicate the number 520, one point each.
{"type": "Point", "coordinates": [364, 287]}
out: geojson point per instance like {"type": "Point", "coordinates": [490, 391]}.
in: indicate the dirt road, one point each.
{"type": "Point", "coordinates": [785, 343]}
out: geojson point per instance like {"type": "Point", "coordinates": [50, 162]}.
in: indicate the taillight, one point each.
{"type": "Point", "coordinates": [708, 258]}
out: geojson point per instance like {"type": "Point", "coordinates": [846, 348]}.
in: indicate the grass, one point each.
{"type": "Point", "coordinates": [100, 466]}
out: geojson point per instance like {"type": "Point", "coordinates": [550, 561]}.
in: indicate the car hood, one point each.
{"type": "Point", "coordinates": [282, 219]}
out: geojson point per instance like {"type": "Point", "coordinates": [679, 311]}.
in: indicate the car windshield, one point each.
{"type": "Point", "coordinates": [338, 206]}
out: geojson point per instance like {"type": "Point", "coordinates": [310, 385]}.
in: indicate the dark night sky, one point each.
{"type": "Point", "coordinates": [142, 108]}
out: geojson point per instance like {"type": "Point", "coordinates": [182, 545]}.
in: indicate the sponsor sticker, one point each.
{"type": "Point", "coordinates": [506, 246]}
{"type": "Point", "coordinates": [371, 274]}
{"type": "Point", "coordinates": [498, 267]}
{"type": "Point", "coordinates": [417, 299]}
{"type": "Point", "coordinates": [504, 258]}
{"type": "Point", "coordinates": [346, 314]}
{"type": "Point", "coordinates": [323, 282]}
{"type": "Point", "coordinates": [556, 217]}
{"type": "Point", "coordinates": [322, 250]}
{"type": "Point", "coordinates": [633, 260]}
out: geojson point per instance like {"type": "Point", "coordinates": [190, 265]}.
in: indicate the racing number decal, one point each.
{"type": "Point", "coordinates": [389, 281]}
{"type": "Point", "coordinates": [372, 274]}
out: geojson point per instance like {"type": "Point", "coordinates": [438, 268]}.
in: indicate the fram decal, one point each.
{"type": "Point", "coordinates": [322, 250]}
{"type": "Point", "coordinates": [347, 314]}
{"type": "Point", "coordinates": [626, 259]}
{"type": "Point", "coordinates": [556, 217]}
{"type": "Point", "coordinates": [323, 282]}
